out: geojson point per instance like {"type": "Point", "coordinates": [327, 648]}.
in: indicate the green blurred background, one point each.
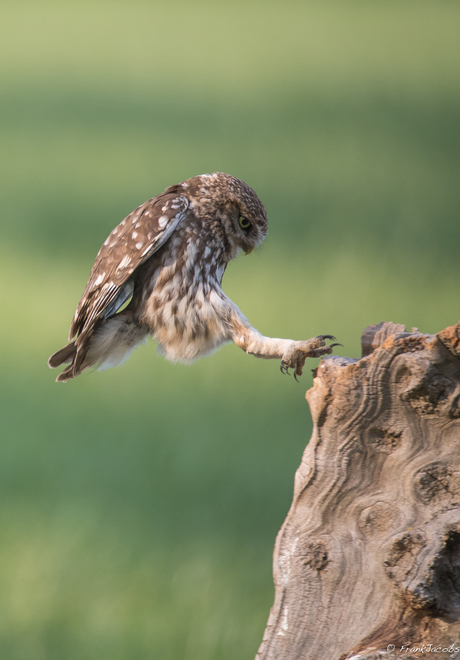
{"type": "Point", "coordinates": [139, 506]}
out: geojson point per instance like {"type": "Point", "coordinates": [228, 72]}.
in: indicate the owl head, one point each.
{"type": "Point", "coordinates": [224, 199]}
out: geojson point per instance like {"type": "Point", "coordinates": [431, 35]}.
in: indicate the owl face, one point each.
{"type": "Point", "coordinates": [229, 202]}
{"type": "Point", "coordinates": [244, 228]}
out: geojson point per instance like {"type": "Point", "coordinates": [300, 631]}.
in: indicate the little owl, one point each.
{"type": "Point", "coordinates": [169, 256]}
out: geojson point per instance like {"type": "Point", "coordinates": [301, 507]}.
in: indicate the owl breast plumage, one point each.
{"type": "Point", "coordinates": [179, 293]}
{"type": "Point", "coordinates": [159, 273]}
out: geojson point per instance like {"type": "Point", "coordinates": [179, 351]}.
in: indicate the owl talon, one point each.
{"type": "Point", "coordinates": [284, 369]}
{"type": "Point", "coordinates": [312, 348]}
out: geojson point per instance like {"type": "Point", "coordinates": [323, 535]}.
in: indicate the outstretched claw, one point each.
{"type": "Point", "coordinates": [284, 368]}
{"type": "Point", "coordinates": [299, 351]}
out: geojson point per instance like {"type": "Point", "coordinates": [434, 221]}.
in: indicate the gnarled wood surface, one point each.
{"type": "Point", "coordinates": [369, 554]}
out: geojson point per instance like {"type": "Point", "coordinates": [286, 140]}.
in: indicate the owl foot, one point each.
{"type": "Point", "coordinates": [301, 350]}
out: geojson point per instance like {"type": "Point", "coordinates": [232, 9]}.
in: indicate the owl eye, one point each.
{"type": "Point", "coordinates": [244, 223]}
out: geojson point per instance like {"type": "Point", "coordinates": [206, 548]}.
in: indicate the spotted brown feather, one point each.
{"type": "Point", "coordinates": [128, 246]}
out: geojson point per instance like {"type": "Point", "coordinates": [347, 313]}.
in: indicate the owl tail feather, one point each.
{"type": "Point", "coordinates": [107, 344]}
{"type": "Point", "coordinates": [66, 354]}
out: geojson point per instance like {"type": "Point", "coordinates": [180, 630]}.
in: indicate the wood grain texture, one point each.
{"type": "Point", "coordinates": [369, 554]}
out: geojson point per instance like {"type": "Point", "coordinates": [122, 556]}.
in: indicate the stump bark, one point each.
{"type": "Point", "coordinates": [367, 562]}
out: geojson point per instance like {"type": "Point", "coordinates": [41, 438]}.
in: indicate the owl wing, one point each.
{"type": "Point", "coordinates": [130, 244]}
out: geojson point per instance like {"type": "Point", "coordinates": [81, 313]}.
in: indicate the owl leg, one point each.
{"type": "Point", "coordinates": [291, 353]}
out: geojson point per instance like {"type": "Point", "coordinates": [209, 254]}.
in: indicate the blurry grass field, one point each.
{"type": "Point", "coordinates": [139, 506]}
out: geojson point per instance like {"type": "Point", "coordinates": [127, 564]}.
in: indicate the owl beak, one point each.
{"type": "Point", "coordinates": [249, 250]}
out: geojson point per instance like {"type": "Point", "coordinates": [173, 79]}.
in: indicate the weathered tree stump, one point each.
{"type": "Point", "coordinates": [368, 558]}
